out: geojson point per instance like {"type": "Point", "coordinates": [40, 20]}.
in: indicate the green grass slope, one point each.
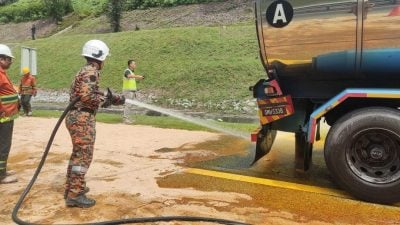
{"type": "Point", "coordinates": [204, 64]}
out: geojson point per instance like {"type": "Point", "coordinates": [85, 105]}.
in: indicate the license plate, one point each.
{"type": "Point", "coordinates": [280, 110]}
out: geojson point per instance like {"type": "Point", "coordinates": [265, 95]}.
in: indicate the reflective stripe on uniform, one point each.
{"type": "Point", "coordinates": [27, 87]}
{"type": "Point", "coordinates": [9, 103]}
{"type": "Point", "coordinates": [8, 99]}
{"type": "Point", "coordinates": [3, 165]}
{"type": "Point", "coordinates": [79, 169]}
{"type": "Point", "coordinates": [8, 118]}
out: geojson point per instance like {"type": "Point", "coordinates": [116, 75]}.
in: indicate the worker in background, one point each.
{"type": "Point", "coordinates": [129, 87]}
{"type": "Point", "coordinates": [27, 88]}
{"type": "Point", "coordinates": [80, 121]}
{"type": "Point", "coordinates": [33, 31]}
{"type": "Point", "coordinates": [9, 105]}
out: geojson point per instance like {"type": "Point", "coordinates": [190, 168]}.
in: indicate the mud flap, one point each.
{"type": "Point", "coordinates": [303, 152]}
{"type": "Point", "coordinates": [265, 138]}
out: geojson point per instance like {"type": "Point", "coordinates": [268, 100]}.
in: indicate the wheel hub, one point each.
{"type": "Point", "coordinates": [377, 152]}
{"type": "Point", "coordinates": [374, 155]}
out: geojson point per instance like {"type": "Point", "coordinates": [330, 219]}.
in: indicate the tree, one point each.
{"type": "Point", "coordinates": [58, 8]}
{"type": "Point", "coordinates": [114, 13]}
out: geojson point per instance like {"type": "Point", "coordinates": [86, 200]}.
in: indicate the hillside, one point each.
{"type": "Point", "coordinates": [197, 57]}
{"type": "Point", "coordinates": [211, 14]}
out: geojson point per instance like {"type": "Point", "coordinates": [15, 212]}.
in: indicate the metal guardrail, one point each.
{"type": "Point", "coordinates": [338, 6]}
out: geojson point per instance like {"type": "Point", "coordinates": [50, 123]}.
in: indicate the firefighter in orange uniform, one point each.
{"type": "Point", "coordinates": [27, 88]}
{"type": "Point", "coordinates": [81, 122]}
{"type": "Point", "coordinates": [9, 105]}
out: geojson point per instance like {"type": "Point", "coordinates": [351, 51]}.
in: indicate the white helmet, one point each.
{"type": "Point", "coordinates": [95, 49]}
{"type": "Point", "coordinates": [5, 50]}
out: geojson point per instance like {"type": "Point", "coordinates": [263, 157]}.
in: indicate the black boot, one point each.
{"type": "Point", "coordinates": [85, 191]}
{"type": "Point", "coordinates": [80, 201]}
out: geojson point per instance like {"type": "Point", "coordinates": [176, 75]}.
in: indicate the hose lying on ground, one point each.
{"type": "Point", "coordinates": [111, 222]}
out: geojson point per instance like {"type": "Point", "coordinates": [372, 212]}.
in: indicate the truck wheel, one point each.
{"type": "Point", "coordinates": [362, 152]}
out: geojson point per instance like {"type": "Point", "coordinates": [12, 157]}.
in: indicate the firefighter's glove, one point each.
{"type": "Point", "coordinates": [106, 103]}
{"type": "Point", "coordinates": [107, 99]}
{"type": "Point", "coordinates": [118, 100]}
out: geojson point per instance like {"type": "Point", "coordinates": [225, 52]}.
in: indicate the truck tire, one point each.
{"type": "Point", "coordinates": [362, 153]}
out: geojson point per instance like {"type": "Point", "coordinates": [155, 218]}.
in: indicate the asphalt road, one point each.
{"type": "Point", "coordinates": [274, 184]}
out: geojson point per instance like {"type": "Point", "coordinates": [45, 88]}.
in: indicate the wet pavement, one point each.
{"type": "Point", "coordinates": [279, 164]}
{"type": "Point", "coordinates": [233, 172]}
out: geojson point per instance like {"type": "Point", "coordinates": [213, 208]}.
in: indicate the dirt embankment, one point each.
{"type": "Point", "coordinates": [14, 32]}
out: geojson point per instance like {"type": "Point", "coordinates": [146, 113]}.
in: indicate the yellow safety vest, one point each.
{"type": "Point", "coordinates": [129, 84]}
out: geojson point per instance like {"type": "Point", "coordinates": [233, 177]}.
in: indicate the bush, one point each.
{"type": "Point", "coordinates": [143, 4]}
{"type": "Point", "coordinates": [6, 2]}
{"type": "Point", "coordinates": [89, 7]}
{"type": "Point", "coordinates": [23, 10]}
{"type": "Point", "coordinates": [26, 10]}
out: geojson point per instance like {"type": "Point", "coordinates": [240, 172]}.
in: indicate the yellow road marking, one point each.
{"type": "Point", "coordinates": [269, 182]}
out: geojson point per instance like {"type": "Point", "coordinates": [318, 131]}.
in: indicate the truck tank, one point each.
{"type": "Point", "coordinates": [326, 44]}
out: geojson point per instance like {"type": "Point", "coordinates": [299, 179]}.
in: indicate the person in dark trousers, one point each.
{"type": "Point", "coordinates": [9, 106]}
{"type": "Point", "coordinates": [33, 31]}
{"type": "Point", "coordinates": [81, 122]}
{"type": "Point", "coordinates": [27, 89]}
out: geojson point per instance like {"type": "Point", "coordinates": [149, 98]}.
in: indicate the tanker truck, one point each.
{"type": "Point", "coordinates": [336, 62]}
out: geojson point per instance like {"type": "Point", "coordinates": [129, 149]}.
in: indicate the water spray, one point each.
{"type": "Point", "coordinates": [187, 118]}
